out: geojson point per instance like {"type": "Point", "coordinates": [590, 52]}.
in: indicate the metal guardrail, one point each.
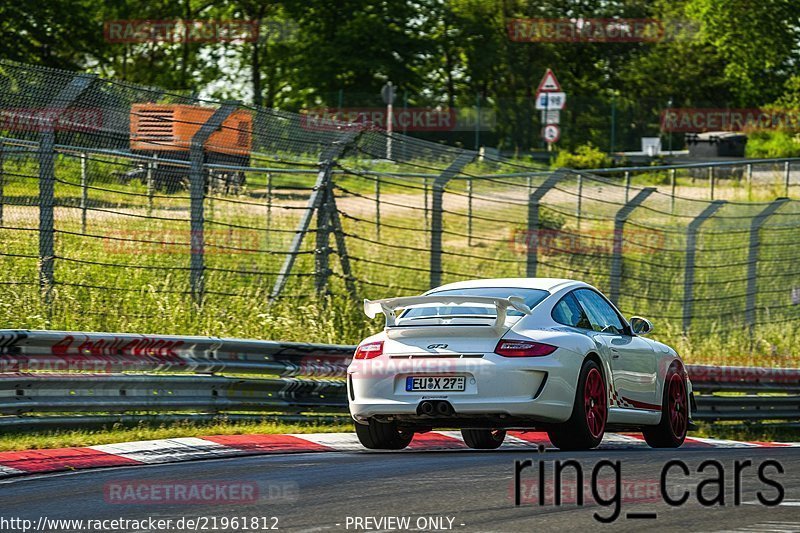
{"type": "Point", "coordinates": [60, 351]}
{"type": "Point", "coordinates": [71, 374]}
{"type": "Point", "coordinates": [74, 378]}
{"type": "Point", "coordinates": [147, 392]}
{"type": "Point", "coordinates": [746, 393]}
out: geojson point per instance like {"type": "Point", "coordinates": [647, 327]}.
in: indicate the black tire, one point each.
{"type": "Point", "coordinates": [671, 430]}
{"type": "Point", "coordinates": [383, 436]}
{"type": "Point", "coordinates": [483, 439]}
{"type": "Point", "coordinates": [584, 429]}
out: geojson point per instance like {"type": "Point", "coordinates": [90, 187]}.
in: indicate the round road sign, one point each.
{"type": "Point", "coordinates": [551, 133]}
{"type": "Point", "coordinates": [388, 93]}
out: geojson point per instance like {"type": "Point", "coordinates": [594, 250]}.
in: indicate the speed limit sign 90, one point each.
{"type": "Point", "coordinates": [551, 133]}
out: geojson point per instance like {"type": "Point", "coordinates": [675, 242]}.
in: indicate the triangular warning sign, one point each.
{"type": "Point", "coordinates": [549, 83]}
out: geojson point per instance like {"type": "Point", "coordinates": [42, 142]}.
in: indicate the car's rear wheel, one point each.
{"type": "Point", "coordinates": [483, 439]}
{"type": "Point", "coordinates": [671, 430]}
{"type": "Point", "coordinates": [383, 435]}
{"type": "Point", "coordinates": [587, 424]}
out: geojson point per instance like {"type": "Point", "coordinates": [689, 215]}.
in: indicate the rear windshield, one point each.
{"type": "Point", "coordinates": [532, 298]}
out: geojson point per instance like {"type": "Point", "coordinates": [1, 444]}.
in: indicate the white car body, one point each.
{"type": "Point", "coordinates": [500, 391]}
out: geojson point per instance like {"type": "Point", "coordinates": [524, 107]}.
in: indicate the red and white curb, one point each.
{"type": "Point", "coordinates": [193, 448]}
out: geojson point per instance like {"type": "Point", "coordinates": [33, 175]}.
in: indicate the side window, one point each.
{"type": "Point", "coordinates": [568, 312]}
{"type": "Point", "coordinates": [601, 315]}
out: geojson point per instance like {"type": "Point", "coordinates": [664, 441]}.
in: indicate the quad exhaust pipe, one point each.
{"type": "Point", "coordinates": [435, 408]}
{"type": "Point", "coordinates": [443, 408]}
{"type": "Point", "coordinates": [427, 408]}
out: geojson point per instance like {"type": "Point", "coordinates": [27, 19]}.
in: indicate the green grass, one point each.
{"type": "Point", "coordinates": [39, 439]}
{"type": "Point", "coordinates": [765, 432]}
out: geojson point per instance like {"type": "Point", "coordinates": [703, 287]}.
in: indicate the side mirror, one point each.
{"type": "Point", "coordinates": [641, 326]}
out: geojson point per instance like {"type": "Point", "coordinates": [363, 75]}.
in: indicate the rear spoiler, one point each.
{"type": "Point", "coordinates": [389, 305]}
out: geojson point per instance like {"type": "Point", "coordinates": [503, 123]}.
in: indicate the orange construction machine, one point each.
{"type": "Point", "coordinates": [165, 131]}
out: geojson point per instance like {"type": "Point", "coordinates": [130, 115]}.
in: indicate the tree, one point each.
{"type": "Point", "coordinates": [54, 34]}
{"type": "Point", "coordinates": [354, 46]}
{"type": "Point", "coordinates": [757, 41]}
{"type": "Point", "coordinates": [182, 65]}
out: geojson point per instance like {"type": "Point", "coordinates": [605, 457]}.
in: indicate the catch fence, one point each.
{"type": "Point", "coordinates": [124, 201]}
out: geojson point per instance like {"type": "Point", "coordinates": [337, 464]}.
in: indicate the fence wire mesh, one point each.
{"type": "Point", "coordinates": [127, 198]}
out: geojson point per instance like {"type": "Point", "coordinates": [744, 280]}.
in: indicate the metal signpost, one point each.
{"type": "Point", "coordinates": [550, 100]}
{"type": "Point", "coordinates": [388, 93]}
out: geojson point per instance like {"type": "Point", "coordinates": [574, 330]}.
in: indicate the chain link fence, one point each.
{"type": "Point", "coordinates": [124, 201]}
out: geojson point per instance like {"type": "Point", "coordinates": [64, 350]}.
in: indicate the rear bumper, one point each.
{"type": "Point", "coordinates": [540, 388]}
{"type": "Point", "coordinates": [512, 412]}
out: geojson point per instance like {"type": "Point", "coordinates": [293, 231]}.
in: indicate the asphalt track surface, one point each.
{"type": "Point", "coordinates": [330, 491]}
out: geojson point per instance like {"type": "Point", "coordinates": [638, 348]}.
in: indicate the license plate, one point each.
{"type": "Point", "coordinates": [434, 383]}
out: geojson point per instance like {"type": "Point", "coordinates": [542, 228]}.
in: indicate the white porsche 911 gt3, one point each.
{"type": "Point", "coordinates": [485, 356]}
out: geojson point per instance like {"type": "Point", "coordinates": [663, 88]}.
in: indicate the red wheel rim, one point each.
{"type": "Point", "coordinates": [676, 399]}
{"type": "Point", "coordinates": [594, 400]}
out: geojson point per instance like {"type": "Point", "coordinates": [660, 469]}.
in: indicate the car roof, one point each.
{"type": "Point", "coordinates": [547, 284]}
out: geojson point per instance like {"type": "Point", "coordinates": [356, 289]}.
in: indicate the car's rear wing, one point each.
{"type": "Point", "coordinates": [388, 306]}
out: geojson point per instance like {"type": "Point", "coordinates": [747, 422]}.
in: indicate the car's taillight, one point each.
{"type": "Point", "coordinates": [523, 349]}
{"type": "Point", "coordinates": [369, 350]}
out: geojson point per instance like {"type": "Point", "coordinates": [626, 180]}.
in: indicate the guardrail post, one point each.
{"type": "Point", "coordinates": [328, 222]}
{"type": "Point", "coordinates": [750, 181]}
{"type": "Point", "coordinates": [323, 249]}
{"type": "Point", "coordinates": [752, 259]}
{"type": "Point", "coordinates": [627, 185]}
{"type": "Point", "coordinates": [532, 234]}
{"type": "Point", "coordinates": [47, 180]}
{"type": "Point", "coordinates": [579, 206]}
{"type": "Point", "coordinates": [210, 188]}
{"type": "Point", "coordinates": [426, 210]}
{"type": "Point", "coordinates": [469, 211]}
{"type": "Point", "coordinates": [46, 210]}
{"type": "Point", "coordinates": [463, 159]}
{"type": "Point", "coordinates": [377, 207]}
{"type": "Point", "coordinates": [711, 181]}
{"type": "Point", "coordinates": [84, 189]}
{"type": "Point", "coordinates": [616, 256]}
{"type": "Point", "coordinates": [673, 179]}
{"type": "Point", "coordinates": [2, 180]}
{"type": "Point", "coordinates": [691, 249]}
{"type": "Point", "coordinates": [341, 245]}
{"type": "Point", "coordinates": [151, 168]}
{"type": "Point", "coordinates": [197, 196]}
{"type": "Point", "coordinates": [318, 195]}
{"type": "Point", "coordinates": [787, 176]}
{"type": "Point", "coordinates": [269, 208]}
